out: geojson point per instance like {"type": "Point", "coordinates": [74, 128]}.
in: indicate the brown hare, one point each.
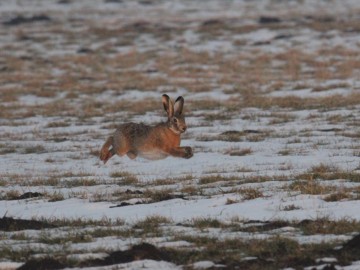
{"type": "Point", "coordinates": [151, 142]}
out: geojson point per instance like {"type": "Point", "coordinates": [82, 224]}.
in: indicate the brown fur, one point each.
{"type": "Point", "coordinates": [151, 142]}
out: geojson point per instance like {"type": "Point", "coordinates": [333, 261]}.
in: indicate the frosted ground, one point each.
{"type": "Point", "coordinates": [272, 103]}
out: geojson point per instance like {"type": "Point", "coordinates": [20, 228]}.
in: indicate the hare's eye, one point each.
{"type": "Point", "coordinates": [175, 120]}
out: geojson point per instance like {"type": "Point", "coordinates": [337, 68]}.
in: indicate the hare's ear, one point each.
{"type": "Point", "coordinates": [168, 105]}
{"type": "Point", "coordinates": [179, 104]}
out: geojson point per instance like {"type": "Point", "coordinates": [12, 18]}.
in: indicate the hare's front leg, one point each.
{"type": "Point", "coordinates": [132, 154]}
{"type": "Point", "coordinates": [184, 152]}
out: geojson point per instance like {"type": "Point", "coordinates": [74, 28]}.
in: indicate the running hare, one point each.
{"type": "Point", "coordinates": [151, 142]}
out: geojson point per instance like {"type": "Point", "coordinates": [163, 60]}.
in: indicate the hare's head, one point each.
{"type": "Point", "coordinates": [176, 119]}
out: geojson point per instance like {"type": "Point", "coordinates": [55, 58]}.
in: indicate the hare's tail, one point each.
{"type": "Point", "coordinates": [106, 153]}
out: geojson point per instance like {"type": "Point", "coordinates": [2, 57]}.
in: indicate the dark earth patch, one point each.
{"type": "Point", "coordinates": [42, 264]}
{"type": "Point", "coordinates": [139, 252]}
{"type": "Point", "coordinates": [18, 20]}
{"type": "Point", "coordinates": [266, 20]}
{"type": "Point", "coordinates": [159, 198]}
{"type": "Point", "coordinates": [28, 195]}
{"type": "Point", "coordinates": [11, 224]}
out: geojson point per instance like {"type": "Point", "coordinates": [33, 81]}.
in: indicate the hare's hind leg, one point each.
{"type": "Point", "coordinates": [105, 152]}
{"type": "Point", "coordinates": [121, 143]}
{"type": "Point", "coordinates": [117, 144]}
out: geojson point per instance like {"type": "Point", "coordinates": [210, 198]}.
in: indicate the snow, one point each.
{"type": "Point", "coordinates": [261, 35]}
{"type": "Point", "coordinates": [61, 156]}
{"type": "Point", "coordinates": [10, 265]}
{"type": "Point", "coordinates": [326, 260]}
{"type": "Point", "coordinates": [141, 264]}
{"type": "Point", "coordinates": [203, 265]}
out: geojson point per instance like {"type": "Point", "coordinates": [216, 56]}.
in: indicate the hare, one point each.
{"type": "Point", "coordinates": [150, 142]}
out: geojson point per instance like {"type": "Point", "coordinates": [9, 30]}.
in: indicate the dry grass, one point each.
{"type": "Point", "coordinates": [56, 196]}
{"type": "Point", "coordinates": [274, 253]}
{"type": "Point", "coordinates": [238, 136]}
{"type": "Point", "coordinates": [298, 103]}
{"type": "Point", "coordinates": [7, 149]}
{"type": "Point", "coordinates": [191, 190]}
{"type": "Point", "coordinates": [159, 195]}
{"type": "Point", "coordinates": [36, 149]}
{"type": "Point", "coordinates": [125, 177]}
{"type": "Point", "coordinates": [250, 193]}
{"type": "Point", "coordinates": [209, 179]}
{"type": "Point", "coordinates": [239, 152]}
{"type": "Point", "coordinates": [184, 69]}
{"type": "Point", "coordinates": [285, 152]}
{"type": "Point", "coordinates": [326, 172]}
{"type": "Point", "coordinates": [151, 225]}
{"type": "Point", "coordinates": [281, 118]}
{"type": "Point", "coordinates": [330, 87]}
{"type": "Point", "coordinates": [339, 196]}
{"type": "Point", "coordinates": [203, 223]}
{"type": "Point", "coordinates": [310, 187]}
{"type": "Point", "coordinates": [10, 195]}
{"type": "Point", "coordinates": [328, 226]}
{"type": "Point", "coordinates": [290, 207]}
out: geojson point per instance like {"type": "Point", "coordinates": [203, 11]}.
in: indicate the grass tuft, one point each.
{"type": "Point", "coordinates": [203, 223]}
{"type": "Point", "coordinates": [311, 187]}
{"type": "Point", "coordinates": [126, 178]}
{"type": "Point", "coordinates": [214, 178]}
{"type": "Point", "coordinates": [250, 193]}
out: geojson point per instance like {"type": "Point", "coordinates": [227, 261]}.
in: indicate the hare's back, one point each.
{"type": "Point", "coordinates": [133, 131]}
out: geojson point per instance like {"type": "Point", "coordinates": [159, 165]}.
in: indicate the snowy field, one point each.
{"type": "Point", "coordinates": [272, 104]}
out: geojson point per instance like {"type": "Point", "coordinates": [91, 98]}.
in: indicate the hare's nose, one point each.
{"type": "Point", "coordinates": [183, 129]}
